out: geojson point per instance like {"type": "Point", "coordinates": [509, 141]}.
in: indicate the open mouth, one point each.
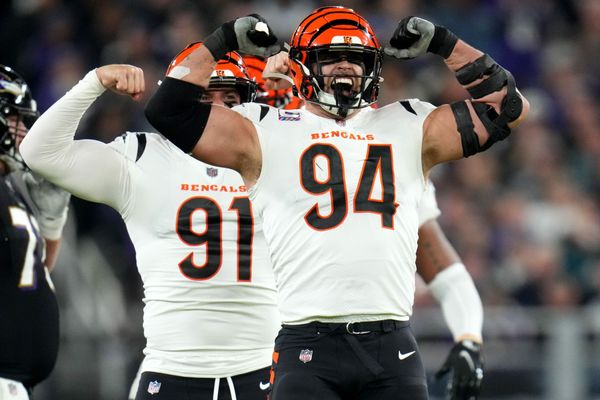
{"type": "Point", "coordinates": [343, 85]}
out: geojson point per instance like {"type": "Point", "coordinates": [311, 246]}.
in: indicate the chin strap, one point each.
{"type": "Point", "coordinates": [343, 102]}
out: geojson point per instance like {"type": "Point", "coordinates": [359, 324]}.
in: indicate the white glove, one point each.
{"type": "Point", "coordinates": [51, 205]}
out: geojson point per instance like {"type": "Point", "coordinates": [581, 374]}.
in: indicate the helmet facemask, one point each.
{"type": "Point", "coordinates": [322, 38]}
{"type": "Point", "coordinates": [344, 96]}
{"type": "Point", "coordinates": [17, 109]}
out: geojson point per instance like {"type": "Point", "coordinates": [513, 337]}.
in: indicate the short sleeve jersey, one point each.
{"type": "Point", "coordinates": [339, 202]}
{"type": "Point", "coordinates": [211, 307]}
{"type": "Point", "coordinates": [428, 208]}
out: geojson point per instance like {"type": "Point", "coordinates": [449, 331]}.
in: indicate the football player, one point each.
{"type": "Point", "coordinates": [210, 316]}
{"type": "Point", "coordinates": [338, 187]}
{"type": "Point", "coordinates": [437, 263]}
{"type": "Point", "coordinates": [32, 215]}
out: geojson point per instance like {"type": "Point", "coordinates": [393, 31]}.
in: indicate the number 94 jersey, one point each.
{"type": "Point", "coordinates": [339, 205]}
{"type": "Point", "coordinates": [210, 298]}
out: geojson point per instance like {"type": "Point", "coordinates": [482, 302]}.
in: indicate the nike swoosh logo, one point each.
{"type": "Point", "coordinates": [405, 356]}
{"type": "Point", "coordinates": [264, 386]}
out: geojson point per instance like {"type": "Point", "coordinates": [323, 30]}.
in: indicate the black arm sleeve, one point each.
{"type": "Point", "coordinates": [176, 112]}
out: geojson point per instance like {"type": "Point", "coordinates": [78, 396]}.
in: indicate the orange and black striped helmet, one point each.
{"type": "Point", "coordinates": [327, 33]}
{"type": "Point", "coordinates": [230, 72]}
{"type": "Point", "coordinates": [282, 98]}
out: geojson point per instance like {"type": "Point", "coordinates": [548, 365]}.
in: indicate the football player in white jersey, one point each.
{"type": "Point", "coordinates": [210, 314]}
{"type": "Point", "coordinates": [437, 261]}
{"type": "Point", "coordinates": [338, 186]}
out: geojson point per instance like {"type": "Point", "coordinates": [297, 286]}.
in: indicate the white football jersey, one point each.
{"type": "Point", "coordinates": [339, 202]}
{"type": "Point", "coordinates": [209, 291]}
{"type": "Point", "coordinates": [428, 208]}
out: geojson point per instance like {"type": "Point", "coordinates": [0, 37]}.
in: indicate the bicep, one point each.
{"type": "Point", "coordinates": [441, 139]}
{"type": "Point", "coordinates": [90, 170]}
{"type": "Point", "coordinates": [229, 140]}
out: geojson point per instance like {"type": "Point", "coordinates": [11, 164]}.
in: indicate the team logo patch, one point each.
{"type": "Point", "coordinates": [305, 355]}
{"type": "Point", "coordinates": [154, 387]}
{"type": "Point", "coordinates": [212, 172]}
{"type": "Point", "coordinates": [288, 115]}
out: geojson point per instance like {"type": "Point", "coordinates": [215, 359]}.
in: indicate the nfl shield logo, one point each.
{"type": "Point", "coordinates": [212, 172]}
{"type": "Point", "coordinates": [154, 387]}
{"type": "Point", "coordinates": [12, 389]}
{"type": "Point", "coordinates": [305, 355]}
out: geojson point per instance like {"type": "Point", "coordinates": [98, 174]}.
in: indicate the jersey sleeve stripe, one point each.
{"type": "Point", "coordinates": [408, 107]}
{"type": "Point", "coordinates": [264, 110]}
{"type": "Point", "coordinates": [141, 137]}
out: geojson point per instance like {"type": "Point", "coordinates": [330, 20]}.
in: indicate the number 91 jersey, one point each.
{"type": "Point", "coordinates": [211, 307]}
{"type": "Point", "coordinates": [339, 204]}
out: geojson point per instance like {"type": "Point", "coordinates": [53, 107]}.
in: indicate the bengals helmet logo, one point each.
{"type": "Point", "coordinates": [347, 40]}
{"type": "Point", "coordinates": [220, 73]}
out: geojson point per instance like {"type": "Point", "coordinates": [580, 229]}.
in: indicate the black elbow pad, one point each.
{"type": "Point", "coordinates": [176, 112]}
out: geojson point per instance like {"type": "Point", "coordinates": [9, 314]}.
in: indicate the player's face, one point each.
{"type": "Point", "coordinates": [342, 69]}
{"type": "Point", "coordinates": [222, 97]}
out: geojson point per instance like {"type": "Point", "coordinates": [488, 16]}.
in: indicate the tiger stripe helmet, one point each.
{"type": "Point", "coordinates": [230, 72]}
{"type": "Point", "coordinates": [282, 98]}
{"type": "Point", "coordinates": [323, 32]}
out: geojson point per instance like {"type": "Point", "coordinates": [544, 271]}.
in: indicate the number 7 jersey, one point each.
{"type": "Point", "coordinates": [339, 204]}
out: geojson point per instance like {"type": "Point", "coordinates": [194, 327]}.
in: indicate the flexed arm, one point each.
{"type": "Point", "coordinates": [213, 134]}
{"type": "Point", "coordinates": [466, 127]}
{"type": "Point", "coordinates": [87, 168]}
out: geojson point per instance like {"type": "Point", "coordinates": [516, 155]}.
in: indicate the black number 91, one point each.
{"type": "Point", "coordinates": [212, 238]}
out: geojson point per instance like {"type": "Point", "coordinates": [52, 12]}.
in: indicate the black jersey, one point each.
{"type": "Point", "coordinates": [28, 307]}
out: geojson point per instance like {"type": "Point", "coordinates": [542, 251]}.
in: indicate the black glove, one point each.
{"type": "Point", "coordinates": [250, 35]}
{"type": "Point", "coordinates": [465, 365]}
{"type": "Point", "coordinates": [415, 36]}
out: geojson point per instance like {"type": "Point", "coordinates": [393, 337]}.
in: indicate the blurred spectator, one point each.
{"type": "Point", "coordinates": [524, 216]}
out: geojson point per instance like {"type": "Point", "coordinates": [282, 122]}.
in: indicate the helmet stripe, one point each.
{"type": "Point", "coordinates": [341, 22]}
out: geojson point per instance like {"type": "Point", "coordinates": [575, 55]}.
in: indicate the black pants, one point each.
{"type": "Point", "coordinates": [362, 361]}
{"type": "Point", "coordinates": [251, 386]}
